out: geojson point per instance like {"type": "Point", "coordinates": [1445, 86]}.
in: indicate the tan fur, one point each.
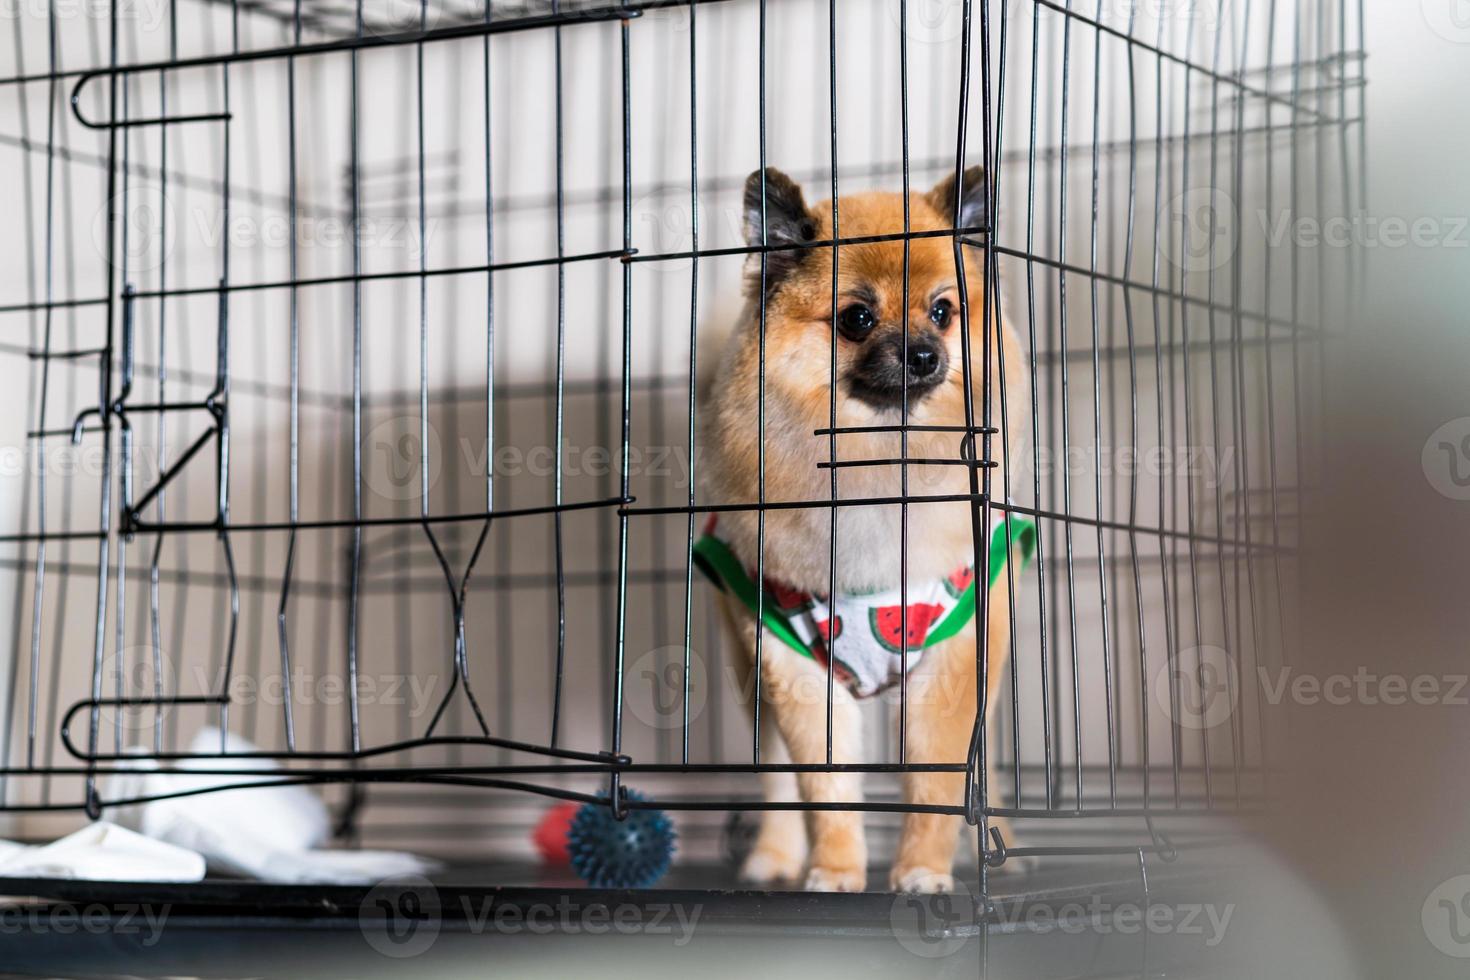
{"type": "Point", "coordinates": [941, 719]}
{"type": "Point", "coordinates": [797, 401]}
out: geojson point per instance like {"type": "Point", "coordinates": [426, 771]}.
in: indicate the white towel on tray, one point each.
{"type": "Point", "coordinates": [269, 832]}
{"type": "Point", "coordinates": [101, 851]}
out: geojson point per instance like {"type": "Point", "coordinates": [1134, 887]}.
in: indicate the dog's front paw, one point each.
{"type": "Point", "coordinates": [920, 881]}
{"type": "Point", "coordinates": [836, 880]}
{"type": "Point", "coordinates": [770, 866]}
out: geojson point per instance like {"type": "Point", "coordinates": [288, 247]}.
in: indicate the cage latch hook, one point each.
{"type": "Point", "coordinates": [996, 854]}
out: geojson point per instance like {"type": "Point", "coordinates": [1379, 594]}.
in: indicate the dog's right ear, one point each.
{"type": "Point", "coordinates": [785, 221]}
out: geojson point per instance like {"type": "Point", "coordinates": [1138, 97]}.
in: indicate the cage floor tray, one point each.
{"type": "Point", "coordinates": [535, 925]}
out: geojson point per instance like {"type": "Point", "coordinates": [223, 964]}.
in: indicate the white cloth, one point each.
{"type": "Point", "coordinates": [102, 851]}
{"type": "Point", "coordinates": [270, 832]}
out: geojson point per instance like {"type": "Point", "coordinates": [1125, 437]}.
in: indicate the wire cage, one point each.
{"type": "Point", "coordinates": [357, 356]}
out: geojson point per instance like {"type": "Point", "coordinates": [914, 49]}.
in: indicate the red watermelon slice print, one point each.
{"type": "Point", "coordinates": [887, 624]}
{"type": "Point", "coordinates": [788, 599]}
{"type": "Point", "coordinates": [824, 629]}
{"type": "Point", "coordinates": [959, 581]}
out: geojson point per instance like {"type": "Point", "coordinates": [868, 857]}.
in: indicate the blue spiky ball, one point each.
{"type": "Point", "coordinates": [630, 853]}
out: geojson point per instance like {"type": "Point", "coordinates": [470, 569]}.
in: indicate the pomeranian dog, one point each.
{"type": "Point", "coordinates": [859, 630]}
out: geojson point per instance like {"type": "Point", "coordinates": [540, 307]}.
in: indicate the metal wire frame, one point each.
{"type": "Point", "coordinates": [1303, 109]}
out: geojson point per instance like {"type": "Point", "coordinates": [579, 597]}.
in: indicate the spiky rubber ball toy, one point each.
{"type": "Point", "coordinates": [630, 853]}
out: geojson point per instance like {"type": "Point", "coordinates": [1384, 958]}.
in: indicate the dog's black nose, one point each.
{"type": "Point", "coordinates": [890, 376]}
{"type": "Point", "coordinates": [923, 360]}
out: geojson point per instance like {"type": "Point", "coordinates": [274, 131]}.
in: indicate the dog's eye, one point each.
{"type": "Point", "coordinates": [940, 313]}
{"type": "Point", "coordinates": [856, 322]}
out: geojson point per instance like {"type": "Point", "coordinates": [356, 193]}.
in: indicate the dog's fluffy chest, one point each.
{"type": "Point", "coordinates": [871, 539]}
{"type": "Point", "coordinates": [870, 546]}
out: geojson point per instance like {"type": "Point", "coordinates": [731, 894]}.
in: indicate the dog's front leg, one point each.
{"type": "Point", "coordinates": [794, 688]}
{"type": "Point", "coordinates": [780, 851]}
{"type": "Point", "coordinates": [941, 719]}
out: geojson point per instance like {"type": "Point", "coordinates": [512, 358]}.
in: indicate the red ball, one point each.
{"type": "Point", "coordinates": [550, 835]}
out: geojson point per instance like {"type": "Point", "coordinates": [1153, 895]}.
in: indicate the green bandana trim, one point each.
{"type": "Point", "coordinates": [718, 563]}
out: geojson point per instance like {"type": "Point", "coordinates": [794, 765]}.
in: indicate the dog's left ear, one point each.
{"type": "Point", "coordinates": [972, 199]}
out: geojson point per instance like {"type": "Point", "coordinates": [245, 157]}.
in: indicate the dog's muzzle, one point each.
{"type": "Point", "coordinates": [880, 376]}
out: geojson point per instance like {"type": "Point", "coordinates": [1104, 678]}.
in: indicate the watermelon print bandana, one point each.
{"type": "Point", "coordinates": [867, 650]}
